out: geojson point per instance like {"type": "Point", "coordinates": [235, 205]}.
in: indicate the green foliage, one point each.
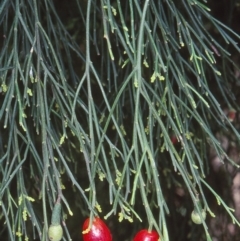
{"type": "Point", "coordinates": [92, 103]}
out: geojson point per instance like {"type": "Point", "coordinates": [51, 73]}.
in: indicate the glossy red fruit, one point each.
{"type": "Point", "coordinates": [98, 232]}
{"type": "Point", "coordinates": [174, 140]}
{"type": "Point", "coordinates": [231, 115]}
{"type": "Point", "coordinates": [145, 235]}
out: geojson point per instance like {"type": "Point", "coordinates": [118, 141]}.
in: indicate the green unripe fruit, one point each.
{"type": "Point", "coordinates": [55, 232]}
{"type": "Point", "coordinates": [196, 218]}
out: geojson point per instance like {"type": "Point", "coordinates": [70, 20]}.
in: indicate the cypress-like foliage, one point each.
{"type": "Point", "coordinates": [116, 109]}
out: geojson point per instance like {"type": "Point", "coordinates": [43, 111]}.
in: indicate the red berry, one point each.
{"type": "Point", "coordinates": [231, 114]}
{"type": "Point", "coordinates": [98, 231]}
{"type": "Point", "coordinates": [145, 235]}
{"type": "Point", "coordinates": [174, 140]}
